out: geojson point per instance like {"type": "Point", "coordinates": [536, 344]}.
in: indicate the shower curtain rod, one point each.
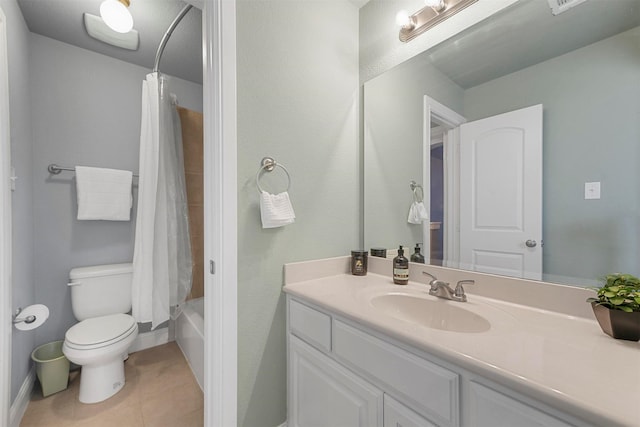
{"type": "Point", "coordinates": [166, 36]}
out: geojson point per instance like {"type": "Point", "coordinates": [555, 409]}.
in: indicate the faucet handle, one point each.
{"type": "Point", "coordinates": [430, 275]}
{"type": "Point", "coordinates": [433, 282]}
{"type": "Point", "coordinates": [459, 291]}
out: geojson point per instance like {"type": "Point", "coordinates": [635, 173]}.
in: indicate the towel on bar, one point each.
{"type": "Point", "coordinates": [276, 210]}
{"type": "Point", "coordinates": [417, 213]}
{"type": "Point", "coordinates": [104, 193]}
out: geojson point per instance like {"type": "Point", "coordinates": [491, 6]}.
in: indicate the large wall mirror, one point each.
{"type": "Point", "coordinates": [577, 76]}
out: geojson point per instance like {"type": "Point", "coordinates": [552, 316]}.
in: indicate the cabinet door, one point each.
{"type": "Point", "coordinates": [398, 415]}
{"type": "Point", "coordinates": [323, 393]}
{"type": "Point", "coordinates": [490, 408]}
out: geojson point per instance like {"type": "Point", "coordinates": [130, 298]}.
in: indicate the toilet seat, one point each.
{"type": "Point", "coordinates": [100, 331]}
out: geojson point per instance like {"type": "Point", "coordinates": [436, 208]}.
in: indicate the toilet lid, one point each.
{"type": "Point", "coordinates": [99, 330]}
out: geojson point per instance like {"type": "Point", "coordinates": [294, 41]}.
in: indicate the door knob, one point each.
{"type": "Point", "coordinates": [531, 243]}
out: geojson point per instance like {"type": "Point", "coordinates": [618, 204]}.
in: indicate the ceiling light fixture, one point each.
{"type": "Point", "coordinates": [115, 13]}
{"type": "Point", "coordinates": [435, 12]}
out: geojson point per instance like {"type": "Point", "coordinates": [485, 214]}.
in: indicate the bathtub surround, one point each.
{"type": "Point", "coordinates": [190, 336]}
{"type": "Point", "coordinates": [192, 144]}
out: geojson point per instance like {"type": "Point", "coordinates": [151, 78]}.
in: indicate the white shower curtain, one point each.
{"type": "Point", "coordinates": [162, 264]}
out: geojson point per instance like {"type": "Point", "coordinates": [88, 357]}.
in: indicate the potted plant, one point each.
{"type": "Point", "coordinates": [617, 306]}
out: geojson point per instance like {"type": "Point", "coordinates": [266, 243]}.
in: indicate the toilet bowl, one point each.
{"type": "Point", "coordinates": [99, 343]}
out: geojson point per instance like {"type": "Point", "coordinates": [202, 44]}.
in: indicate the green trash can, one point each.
{"type": "Point", "coordinates": [52, 367]}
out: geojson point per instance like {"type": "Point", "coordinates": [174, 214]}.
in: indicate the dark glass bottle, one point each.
{"type": "Point", "coordinates": [417, 256]}
{"type": "Point", "coordinates": [400, 268]}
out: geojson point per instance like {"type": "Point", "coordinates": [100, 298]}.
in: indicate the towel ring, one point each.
{"type": "Point", "coordinates": [415, 187]}
{"type": "Point", "coordinates": [268, 164]}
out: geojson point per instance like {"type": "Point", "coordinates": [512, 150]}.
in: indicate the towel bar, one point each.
{"type": "Point", "coordinates": [56, 169]}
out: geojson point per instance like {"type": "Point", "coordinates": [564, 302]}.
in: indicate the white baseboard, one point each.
{"type": "Point", "coordinates": [19, 405]}
{"type": "Point", "coordinates": [150, 339]}
{"type": "Point", "coordinates": [284, 424]}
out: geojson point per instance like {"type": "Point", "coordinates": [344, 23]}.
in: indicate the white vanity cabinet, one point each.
{"type": "Point", "coordinates": [398, 415]}
{"type": "Point", "coordinates": [488, 407]}
{"type": "Point", "coordinates": [323, 393]}
{"type": "Point", "coordinates": [342, 374]}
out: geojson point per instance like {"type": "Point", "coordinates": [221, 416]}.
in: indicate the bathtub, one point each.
{"type": "Point", "coordinates": [190, 336]}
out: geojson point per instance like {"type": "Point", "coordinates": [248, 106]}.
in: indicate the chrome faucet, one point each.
{"type": "Point", "coordinates": [442, 289]}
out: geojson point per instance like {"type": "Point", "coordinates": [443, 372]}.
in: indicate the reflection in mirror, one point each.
{"type": "Point", "coordinates": [583, 67]}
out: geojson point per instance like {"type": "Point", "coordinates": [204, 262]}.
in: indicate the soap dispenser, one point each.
{"type": "Point", "coordinates": [400, 268]}
{"type": "Point", "coordinates": [417, 256]}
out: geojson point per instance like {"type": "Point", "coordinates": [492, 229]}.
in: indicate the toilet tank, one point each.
{"type": "Point", "coordinates": [100, 290]}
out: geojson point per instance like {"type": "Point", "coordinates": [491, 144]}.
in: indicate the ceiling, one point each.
{"type": "Point", "coordinates": [62, 20]}
{"type": "Point", "coordinates": [526, 34]}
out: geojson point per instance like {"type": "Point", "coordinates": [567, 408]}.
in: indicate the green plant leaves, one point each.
{"type": "Point", "coordinates": [620, 292]}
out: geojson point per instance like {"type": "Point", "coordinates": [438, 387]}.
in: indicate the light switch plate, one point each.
{"type": "Point", "coordinates": [591, 190]}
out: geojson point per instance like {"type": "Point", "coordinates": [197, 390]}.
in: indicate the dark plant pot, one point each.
{"type": "Point", "coordinates": [617, 323]}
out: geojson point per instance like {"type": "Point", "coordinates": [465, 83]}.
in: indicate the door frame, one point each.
{"type": "Point", "coordinates": [5, 227]}
{"type": "Point", "coordinates": [440, 114]}
{"type": "Point", "coordinates": [220, 212]}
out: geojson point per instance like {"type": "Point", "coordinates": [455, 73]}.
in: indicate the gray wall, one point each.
{"type": "Point", "coordinates": [86, 111]}
{"type": "Point", "coordinates": [23, 292]}
{"type": "Point", "coordinates": [297, 102]}
{"type": "Point", "coordinates": [393, 155]}
{"type": "Point", "coordinates": [591, 101]}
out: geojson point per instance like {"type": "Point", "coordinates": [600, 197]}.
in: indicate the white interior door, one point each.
{"type": "Point", "coordinates": [501, 194]}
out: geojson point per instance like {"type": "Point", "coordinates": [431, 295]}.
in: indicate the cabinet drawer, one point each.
{"type": "Point", "coordinates": [429, 389]}
{"type": "Point", "coordinates": [310, 325]}
{"type": "Point", "coordinates": [490, 408]}
{"type": "Point", "coordinates": [398, 415]}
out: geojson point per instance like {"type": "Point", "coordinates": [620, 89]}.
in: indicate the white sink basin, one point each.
{"type": "Point", "coordinates": [437, 314]}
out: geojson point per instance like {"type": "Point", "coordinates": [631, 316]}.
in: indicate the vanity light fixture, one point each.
{"type": "Point", "coordinates": [432, 14]}
{"type": "Point", "coordinates": [115, 13]}
{"type": "Point", "coordinates": [404, 20]}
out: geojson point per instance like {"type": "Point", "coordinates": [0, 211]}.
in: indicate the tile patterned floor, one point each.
{"type": "Point", "coordinates": [160, 391]}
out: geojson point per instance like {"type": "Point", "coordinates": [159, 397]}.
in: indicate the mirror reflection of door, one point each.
{"type": "Point", "coordinates": [501, 194]}
{"type": "Point", "coordinates": [484, 181]}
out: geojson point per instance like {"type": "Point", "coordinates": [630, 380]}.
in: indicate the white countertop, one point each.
{"type": "Point", "coordinates": [562, 360]}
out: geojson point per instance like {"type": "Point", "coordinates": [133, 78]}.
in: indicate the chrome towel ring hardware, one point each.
{"type": "Point", "coordinates": [269, 164]}
{"type": "Point", "coordinates": [415, 187]}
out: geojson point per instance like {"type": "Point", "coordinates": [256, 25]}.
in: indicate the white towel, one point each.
{"type": "Point", "coordinates": [276, 210]}
{"type": "Point", "coordinates": [103, 193]}
{"type": "Point", "coordinates": [417, 213]}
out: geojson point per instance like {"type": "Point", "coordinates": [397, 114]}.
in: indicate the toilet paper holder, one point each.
{"type": "Point", "coordinates": [29, 319]}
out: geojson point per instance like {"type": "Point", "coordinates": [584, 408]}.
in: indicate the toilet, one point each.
{"type": "Point", "coordinates": [99, 343]}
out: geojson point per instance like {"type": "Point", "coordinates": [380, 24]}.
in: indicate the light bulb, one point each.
{"type": "Point", "coordinates": [116, 15]}
{"type": "Point", "coordinates": [436, 5]}
{"type": "Point", "coordinates": [403, 19]}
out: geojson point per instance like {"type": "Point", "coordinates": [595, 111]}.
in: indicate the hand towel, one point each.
{"type": "Point", "coordinates": [276, 210]}
{"type": "Point", "coordinates": [103, 193]}
{"type": "Point", "coordinates": [417, 213]}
